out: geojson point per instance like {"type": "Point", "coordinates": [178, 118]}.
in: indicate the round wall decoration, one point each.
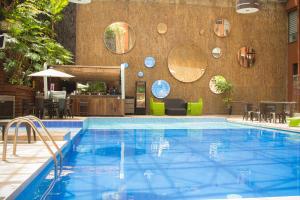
{"type": "Point", "coordinates": [187, 63]}
{"type": "Point", "coordinates": [214, 81]}
{"type": "Point", "coordinates": [201, 32]}
{"type": "Point", "coordinates": [222, 27]}
{"type": "Point", "coordinates": [162, 28]}
{"type": "Point", "coordinates": [119, 37]}
{"type": "Point", "coordinates": [149, 62]}
{"type": "Point", "coordinates": [160, 89]}
{"type": "Point", "coordinates": [216, 52]}
{"type": "Point", "coordinates": [246, 56]}
{"type": "Point", "coordinates": [140, 74]}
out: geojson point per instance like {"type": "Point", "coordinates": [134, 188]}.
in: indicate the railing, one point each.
{"type": "Point", "coordinates": [30, 120]}
{"type": "Point", "coordinates": [50, 138]}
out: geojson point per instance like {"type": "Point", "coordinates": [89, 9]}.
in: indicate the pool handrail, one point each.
{"type": "Point", "coordinates": [49, 136]}
{"type": "Point", "coordinates": [18, 121]}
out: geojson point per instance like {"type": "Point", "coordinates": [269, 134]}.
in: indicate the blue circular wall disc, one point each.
{"type": "Point", "coordinates": [160, 89]}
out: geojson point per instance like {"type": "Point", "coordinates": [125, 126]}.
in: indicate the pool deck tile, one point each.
{"type": "Point", "coordinates": [16, 171]}
{"type": "Point", "coordinates": [58, 134]}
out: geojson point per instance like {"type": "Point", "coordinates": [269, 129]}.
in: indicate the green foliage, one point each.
{"type": "Point", "coordinates": [31, 26]}
{"type": "Point", "coordinates": [96, 87]}
{"type": "Point", "coordinates": [224, 87]}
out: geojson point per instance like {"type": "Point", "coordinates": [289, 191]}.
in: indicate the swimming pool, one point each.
{"type": "Point", "coordinates": [217, 161]}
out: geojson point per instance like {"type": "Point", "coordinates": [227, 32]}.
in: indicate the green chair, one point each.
{"type": "Point", "coordinates": [157, 108]}
{"type": "Point", "coordinates": [293, 121]}
{"type": "Point", "coordinates": [195, 108]}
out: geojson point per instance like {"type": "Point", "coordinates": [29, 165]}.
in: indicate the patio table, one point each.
{"type": "Point", "coordinates": [238, 107]}
{"type": "Point", "coordinates": [291, 105]}
{"type": "Point", "coordinates": [29, 130]}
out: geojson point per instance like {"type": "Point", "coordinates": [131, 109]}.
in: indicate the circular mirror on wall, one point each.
{"type": "Point", "coordinates": [140, 74]}
{"type": "Point", "coordinates": [214, 81]}
{"type": "Point", "coordinates": [222, 27]}
{"type": "Point", "coordinates": [246, 56]}
{"type": "Point", "coordinates": [187, 63]}
{"type": "Point", "coordinates": [216, 52]}
{"type": "Point", "coordinates": [119, 37]}
{"type": "Point", "coordinates": [160, 89]}
{"type": "Point", "coordinates": [162, 28]}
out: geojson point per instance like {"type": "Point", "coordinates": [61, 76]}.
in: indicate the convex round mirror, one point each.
{"type": "Point", "coordinates": [246, 56]}
{"type": "Point", "coordinates": [222, 27]}
{"type": "Point", "coordinates": [140, 74]}
{"type": "Point", "coordinates": [216, 52]}
{"type": "Point", "coordinates": [119, 37]}
{"type": "Point", "coordinates": [162, 28]}
{"type": "Point", "coordinates": [187, 63]}
{"type": "Point", "coordinates": [214, 82]}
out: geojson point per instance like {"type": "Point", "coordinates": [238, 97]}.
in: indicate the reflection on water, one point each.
{"type": "Point", "coordinates": [213, 151]}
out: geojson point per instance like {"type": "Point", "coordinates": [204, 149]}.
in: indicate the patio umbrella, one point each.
{"type": "Point", "coordinates": [50, 73]}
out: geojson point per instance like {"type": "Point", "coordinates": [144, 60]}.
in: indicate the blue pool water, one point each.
{"type": "Point", "coordinates": [156, 164]}
{"type": "Point", "coordinates": [159, 123]}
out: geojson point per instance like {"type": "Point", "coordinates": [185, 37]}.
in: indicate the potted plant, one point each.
{"type": "Point", "coordinates": [225, 87]}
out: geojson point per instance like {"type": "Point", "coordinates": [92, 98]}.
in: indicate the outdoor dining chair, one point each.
{"type": "Point", "coordinates": [248, 111]}
{"type": "Point", "coordinates": [278, 114]}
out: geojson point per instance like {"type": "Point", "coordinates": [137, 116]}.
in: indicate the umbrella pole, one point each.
{"type": "Point", "coordinates": [45, 83]}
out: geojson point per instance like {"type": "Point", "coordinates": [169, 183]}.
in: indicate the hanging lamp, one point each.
{"type": "Point", "coordinates": [80, 1]}
{"type": "Point", "coordinates": [247, 6]}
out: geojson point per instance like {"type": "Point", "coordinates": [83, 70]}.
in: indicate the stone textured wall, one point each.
{"type": "Point", "coordinates": [265, 31]}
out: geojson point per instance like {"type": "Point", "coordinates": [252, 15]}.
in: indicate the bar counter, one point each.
{"type": "Point", "coordinates": [97, 105]}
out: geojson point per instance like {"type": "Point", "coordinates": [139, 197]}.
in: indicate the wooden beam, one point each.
{"type": "Point", "coordinates": [91, 73]}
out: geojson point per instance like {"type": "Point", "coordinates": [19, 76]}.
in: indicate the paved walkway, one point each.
{"type": "Point", "coordinates": [239, 119]}
{"type": "Point", "coordinates": [18, 170]}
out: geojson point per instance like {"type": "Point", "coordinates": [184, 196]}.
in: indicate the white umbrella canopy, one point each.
{"type": "Point", "coordinates": [51, 73]}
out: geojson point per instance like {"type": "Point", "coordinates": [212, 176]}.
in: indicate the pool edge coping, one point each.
{"type": "Point", "coordinates": [251, 124]}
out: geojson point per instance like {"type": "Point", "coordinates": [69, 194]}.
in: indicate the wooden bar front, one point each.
{"type": "Point", "coordinates": [97, 105]}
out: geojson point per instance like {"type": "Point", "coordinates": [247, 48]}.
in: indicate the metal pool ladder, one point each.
{"type": "Point", "coordinates": [31, 120]}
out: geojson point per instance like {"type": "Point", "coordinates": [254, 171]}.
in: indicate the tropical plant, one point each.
{"type": "Point", "coordinates": [96, 87]}
{"type": "Point", "coordinates": [225, 87]}
{"type": "Point", "coordinates": [33, 43]}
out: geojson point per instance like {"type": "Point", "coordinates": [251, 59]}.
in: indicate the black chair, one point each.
{"type": "Point", "coordinates": [27, 107]}
{"type": "Point", "coordinates": [269, 110]}
{"type": "Point", "coordinates": [39, 108]}
{"type": "Point", "coordinates": [259, 113]}
{"type": "Point", "coordinates": [278, 114]}
{"type": "Point", "coordinates": [175, 106]}
{"type": "Point", "coordinates": [248, 111]}
{"type": "Point", "coordinates": [61, 107]}
{"type": "Point", "coordinates": [68, 110]}
{"type": "Point", "coordinates": [51, 107]}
